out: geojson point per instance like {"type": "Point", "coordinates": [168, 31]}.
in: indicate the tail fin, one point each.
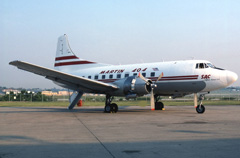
{"type": "Point", "coordinates": [66, 60]}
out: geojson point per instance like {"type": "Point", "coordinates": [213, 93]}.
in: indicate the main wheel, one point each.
{"type": "Point", "coordinates": [201, 109]}
{"type": "Point", "coordinates": [159, 105]}
{"type": "Point", "coordinates": [114, 107]}
{"type": "Point", "coordinates": [108, 108]}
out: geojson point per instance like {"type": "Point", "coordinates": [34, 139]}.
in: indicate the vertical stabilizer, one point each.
{"type": "Point", "coordinates": [67, 61]}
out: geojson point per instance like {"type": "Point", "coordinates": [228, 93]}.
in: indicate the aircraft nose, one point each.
{"type": "Point", "coordinates": [231, 77]}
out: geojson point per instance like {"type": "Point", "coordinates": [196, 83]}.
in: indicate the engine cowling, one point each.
{"type": "Point", "coordinates": [132, 85]}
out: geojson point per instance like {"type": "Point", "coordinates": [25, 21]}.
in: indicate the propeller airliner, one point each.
{"type": "Point", "coordinates": [173, 78]}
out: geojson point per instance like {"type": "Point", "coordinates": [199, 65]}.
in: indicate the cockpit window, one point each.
{"type": "Point", "coordinates": [206, 65]}
{"type": "Point", "coordinates": [197, 66]}
{"type": "Point", "coordinates": [210, 65]}
{"type": "Point", "coordinates": [201, 66]}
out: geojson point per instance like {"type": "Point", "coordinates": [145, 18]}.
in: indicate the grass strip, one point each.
{"type": "Point", "coordinates": [120, 103]}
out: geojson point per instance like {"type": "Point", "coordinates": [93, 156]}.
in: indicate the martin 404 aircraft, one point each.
{"type": "Point", "coordinates": [174, 78]}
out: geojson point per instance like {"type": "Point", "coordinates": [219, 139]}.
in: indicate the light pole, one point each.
{"type": "Point", "coordinates": [8, 96]}
{"type": "Point", "coordinates": [32, 95]}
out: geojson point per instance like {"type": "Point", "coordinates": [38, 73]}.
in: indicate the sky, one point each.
{"type": "Point", "coordinates": [117, 32]}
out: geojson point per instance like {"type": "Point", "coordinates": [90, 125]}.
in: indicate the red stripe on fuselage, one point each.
{"type": "Point", "coordinates": [73, 63]}
{"type": "Point", "coordinates": [177, 79]}
{"type": "Point", "coordinates": [66, 58]}
{"type": "Point", "coordinates": [190, 76]}
{"type": "Point", "coordinates": [170, 78]}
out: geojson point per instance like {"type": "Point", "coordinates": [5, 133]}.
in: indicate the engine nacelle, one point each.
{"type": "Point", "coordinates": [132, 85]}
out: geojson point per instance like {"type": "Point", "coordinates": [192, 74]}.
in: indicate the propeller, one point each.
{"type": "Point", "coordinates": [153, 85]}
{"type": "Point", "coordinates": [142, 77]}
{"type": "Point", "coordinates": [159, 77]}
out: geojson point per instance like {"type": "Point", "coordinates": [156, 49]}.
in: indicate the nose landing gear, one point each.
{"type": "Point", "coordinates": [199, 108]}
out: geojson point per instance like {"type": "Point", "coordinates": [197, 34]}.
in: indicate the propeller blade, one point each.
{"type": "Point", "coordinates": [152, 100]}
{"type": "Point", "coordinates": [160, 76]}
{"type": "Point", "coordinates": [142, 77]}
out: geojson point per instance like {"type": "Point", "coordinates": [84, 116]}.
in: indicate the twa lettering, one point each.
{"type": "Point", "coordinates": [112, 71]}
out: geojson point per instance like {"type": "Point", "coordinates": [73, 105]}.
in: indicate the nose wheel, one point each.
{"type": "Point", "coordinates": [199, 108]}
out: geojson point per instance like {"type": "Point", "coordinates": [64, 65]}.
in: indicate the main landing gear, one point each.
{"type": "Point", "coordinates": [199, 108]}
{"type": "Point", "coordinates": [110, 107]}
{"type": "Point", "coordinates": [158, 105]}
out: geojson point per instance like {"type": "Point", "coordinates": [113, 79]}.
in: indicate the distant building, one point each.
{"type": "Point", "coordinates": [59, 93]}
{"type": "Point", "coordinates": [64, 93]}
{"type": "Point", "coordinates": [7, 91]}
{"type": "Point", "coordinates": [49, 93]}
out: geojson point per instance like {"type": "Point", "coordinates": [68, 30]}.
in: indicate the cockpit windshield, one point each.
{"type": "Point", "coordinates": [210, 65]}
{"type": "Point", "coordinates": [206, 65]}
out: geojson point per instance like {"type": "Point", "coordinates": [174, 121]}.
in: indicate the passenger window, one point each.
{"type": "Point", "coordinates": [152, 74]}
{"type": "Point", "coordinates": [126, 75]}
{"type": "Point", "coordinates": [118, 75]}
{"type": "Point", "coordinates": [96, 77]}
{"type": "Point", "coordinates": [89, 77]}
{"type": "Point", "coordinates": [144, 74]}
{"type": "Point", "coordinates": [135, 74]}
{"type": "Point", "coordinates": [110, 76]}
{"type": "Point", "coordinates": [103, 76]}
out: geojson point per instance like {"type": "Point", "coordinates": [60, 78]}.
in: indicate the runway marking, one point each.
{"type": "Point", "coordinates": [93, 135]}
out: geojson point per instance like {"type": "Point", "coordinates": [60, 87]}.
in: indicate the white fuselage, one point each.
{"type": "Point", "coordinates": [180, 77]}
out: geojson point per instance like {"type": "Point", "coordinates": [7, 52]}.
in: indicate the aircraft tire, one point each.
{"type": "Point", "coordinates": [114, 107]}
{"type": "Point", "coordinates": [200, 110]}
{"type": "Point", "coordinates": [108, 108]}
{"type": "Point", "coordinates": [159, 105]}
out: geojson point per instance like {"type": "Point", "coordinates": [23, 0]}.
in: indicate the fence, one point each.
{"type": "Point", "coordinates": [101, 98]}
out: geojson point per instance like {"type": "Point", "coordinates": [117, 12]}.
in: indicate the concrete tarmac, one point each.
{"type": "Point", "coordinates": [27, 132]}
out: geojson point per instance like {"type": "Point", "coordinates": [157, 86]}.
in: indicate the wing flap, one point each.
{"type": "Point", "coordinates": [67, 80]}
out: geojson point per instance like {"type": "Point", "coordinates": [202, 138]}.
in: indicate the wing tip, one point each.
{"type": "Point", "coordinates": [14, 62]}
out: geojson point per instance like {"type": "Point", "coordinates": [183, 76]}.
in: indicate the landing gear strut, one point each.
{"type": "Point", "coordinates": [199, 108]}
{"type": "Point", "coordinates": [110, 107]}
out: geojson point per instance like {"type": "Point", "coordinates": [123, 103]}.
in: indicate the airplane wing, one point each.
{"type": "Point", "coordinates": [73, 82]}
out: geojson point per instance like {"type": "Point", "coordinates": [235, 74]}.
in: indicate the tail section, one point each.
{"type": "Point", "coordinates": [66, 60]}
